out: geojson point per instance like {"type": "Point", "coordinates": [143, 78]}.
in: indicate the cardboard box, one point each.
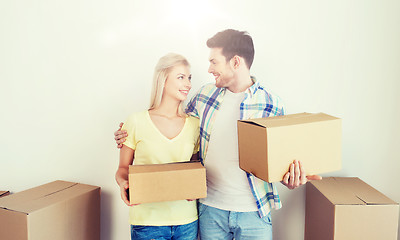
{"type": "Point", "coordinates": [4, 193]}
{"type": "Point", "coordinates": [167, 182]}
{"type": "Point", "coordinates": [348, 208]}
{"type": "Point", "coordinates": [267, 146]}
{"type": "Point", "coordinates": [57, 210]}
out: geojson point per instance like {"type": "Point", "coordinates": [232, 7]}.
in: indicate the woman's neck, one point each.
{"type": "Point", "coordinates": [168, 109]}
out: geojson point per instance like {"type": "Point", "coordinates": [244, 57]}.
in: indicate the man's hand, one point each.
{"type": "Point", "coordinates": [120, 136]}
{"type": "Point", "coordinates": [296, 176]}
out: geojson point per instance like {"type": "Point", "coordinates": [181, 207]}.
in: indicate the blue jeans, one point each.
{"type": "Point", "coordinates": [176, 232]}
{"type": "Point", "coordinates": [217, 224]}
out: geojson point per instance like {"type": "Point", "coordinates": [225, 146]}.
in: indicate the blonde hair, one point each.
{"type": "Point", "coordinates": [161, 71]}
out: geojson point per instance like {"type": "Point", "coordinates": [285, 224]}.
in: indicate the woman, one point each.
{"type": "Point", "coordinates": [162, 134]}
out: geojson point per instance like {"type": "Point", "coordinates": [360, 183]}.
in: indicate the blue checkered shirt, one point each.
{"type": "Point", "coordinates": [257, 103]}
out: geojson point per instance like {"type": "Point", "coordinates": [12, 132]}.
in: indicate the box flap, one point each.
{"type": "Point", "coordinates": [335, 192]}
{"type": "Point", "coordinates": [13, 225]}
{"type": "Point", "coordinates": [164, 167]}
{"type": "Point", "coordinates": [290, 119]}
{"type": "Point", "coordinates": [350, 191]}
{"type": "Point", "coordinates": [36, 198]}
{"type": "Point", "coordinates": [4, 193]}
{"type": "Point", "coordinates": [365, 192]}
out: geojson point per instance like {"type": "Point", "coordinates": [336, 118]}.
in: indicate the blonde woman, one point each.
{"type": "Point", "coordinates": [162, 134]}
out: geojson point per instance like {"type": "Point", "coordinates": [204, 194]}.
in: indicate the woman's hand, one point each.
{"type": "Point", "coordinates": [124, 188]}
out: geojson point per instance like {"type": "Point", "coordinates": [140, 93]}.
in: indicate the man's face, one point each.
{"type": "Point", "coordinates": [220, 68]}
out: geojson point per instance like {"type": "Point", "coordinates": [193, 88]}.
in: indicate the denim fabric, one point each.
{"type": "Point", "coordinates": [177, 232]}
{"type": "Point", "coordinates": [217, 224]}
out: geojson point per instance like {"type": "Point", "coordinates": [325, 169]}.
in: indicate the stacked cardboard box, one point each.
{"type": "Point", "coordinates": [57, 210]}
{"type": "Point", "coordinates": [267, 146]}
{"type": "Point", "coordinates": [348, 208]}
{"type": "Point", "coordinates": [337, 208]}
{"type": "Point", "coordinates": [167, 182]}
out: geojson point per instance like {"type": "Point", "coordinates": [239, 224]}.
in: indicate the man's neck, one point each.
{"type": "Point", "coordinates": [241, 83]}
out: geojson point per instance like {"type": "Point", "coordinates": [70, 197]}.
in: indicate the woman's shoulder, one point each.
{"type": "Point", "coordinates": [137, 116]}
{"type": "Point", "coordinates": [193, 121]}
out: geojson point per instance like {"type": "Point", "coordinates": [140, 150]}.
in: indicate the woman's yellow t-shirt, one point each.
{"type": "Point", "coordinates": [152, 147]}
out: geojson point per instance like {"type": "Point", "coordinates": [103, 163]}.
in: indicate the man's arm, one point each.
{"type": "Point", "coordinates": [120, 136]}
{"type": "Point", "coordinates": [296, 176]}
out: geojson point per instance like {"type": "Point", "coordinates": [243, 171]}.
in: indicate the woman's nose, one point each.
{"type": "Point", "coordinates": [188, 84]}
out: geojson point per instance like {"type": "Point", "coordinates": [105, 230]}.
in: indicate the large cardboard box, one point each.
{"type": "Point", "coordinates": [167, 182]}
{"type": "Point", "coordinates": [349, 209]}
{"type": "Point", "coordinates": [57, 210]}
{"type": "Point", "coordinates": [267, 146]}
{"type": "Point", "coordinates": [4, 193]}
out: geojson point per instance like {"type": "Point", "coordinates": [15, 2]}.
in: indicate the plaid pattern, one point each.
{"type": "Point", "coordinates": [257, 103]}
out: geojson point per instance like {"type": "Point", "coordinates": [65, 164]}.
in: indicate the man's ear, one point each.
{"type": "Point", "coordinates": [236, 61]}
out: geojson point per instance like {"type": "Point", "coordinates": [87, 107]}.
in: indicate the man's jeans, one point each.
{"type": "Point", "coordinates": [217, 224]}
{"type": "Point", "coordinates": [177, 232]}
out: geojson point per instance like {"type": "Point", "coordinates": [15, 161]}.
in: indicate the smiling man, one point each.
{"type": "Point", "coordinates": [238, 205]}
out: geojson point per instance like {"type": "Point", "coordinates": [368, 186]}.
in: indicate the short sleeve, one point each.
{"type": "Point", "coordinates": [130, 127]}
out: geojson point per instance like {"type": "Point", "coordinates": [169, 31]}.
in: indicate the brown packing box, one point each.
{"type": "Point", "coordinates": [167, 182]}
{"type": "Point", "coordinates": [4, 193]}
{"type": "Point", "coordinates": [267, 146]}
{"type": "Point", "coordinates": [348, 208]}
{"type": "Point", "coordinates": [57, 210]}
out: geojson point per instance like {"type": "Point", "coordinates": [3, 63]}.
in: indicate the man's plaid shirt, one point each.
{"type": "Point", "coordinates": [257, 103]}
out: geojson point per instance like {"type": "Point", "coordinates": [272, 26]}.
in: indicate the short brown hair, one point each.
{"type": "Point", "coordinates": [234, 42]}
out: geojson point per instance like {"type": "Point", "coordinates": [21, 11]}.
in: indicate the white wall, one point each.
{"type": "Point", "coordinates": [71, 71]}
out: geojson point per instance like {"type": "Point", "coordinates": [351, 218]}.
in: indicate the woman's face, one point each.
{"type": "Point", "coordinates": [177, 85]}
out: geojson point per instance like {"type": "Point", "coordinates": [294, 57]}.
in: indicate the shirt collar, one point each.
{"type": "Point", "coordinates": [253, 88]}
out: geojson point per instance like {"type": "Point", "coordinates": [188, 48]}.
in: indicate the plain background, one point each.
{"type": "Point", "coordinates": [70, 71]}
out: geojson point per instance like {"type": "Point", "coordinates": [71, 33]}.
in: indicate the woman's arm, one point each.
{"type": "Point", "coordinates": [121, 176]}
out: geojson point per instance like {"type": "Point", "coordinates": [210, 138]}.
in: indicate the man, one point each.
{"type": "Point", "coordinates": [238, 204]}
